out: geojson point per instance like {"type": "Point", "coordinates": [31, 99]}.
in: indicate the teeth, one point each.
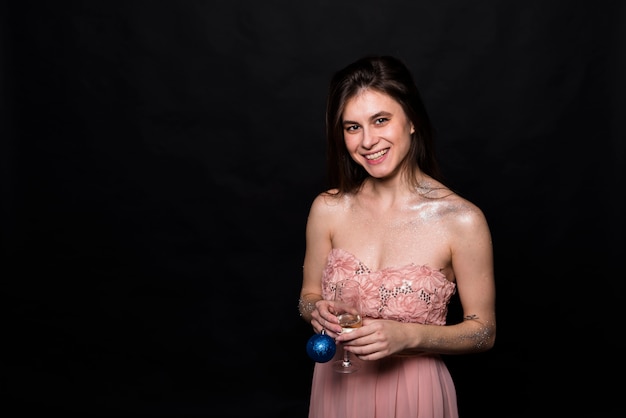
{"type": "Point", "coordinates": [376, 155]}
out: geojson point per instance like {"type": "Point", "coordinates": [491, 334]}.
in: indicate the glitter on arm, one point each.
{"type": "Point", "coordinates": [478, 338]}
{"type": "Point", "coordinates": [305, 306]}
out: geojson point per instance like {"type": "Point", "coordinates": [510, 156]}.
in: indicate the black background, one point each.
{"type": "Point", "coordinates": [159, 159]}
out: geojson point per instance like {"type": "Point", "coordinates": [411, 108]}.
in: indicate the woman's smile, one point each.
{"type": "Point", "coordinates": [376, 157]}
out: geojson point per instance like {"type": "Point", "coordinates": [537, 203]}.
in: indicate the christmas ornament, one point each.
{"type": "Point", "coordinates": [321, 348]}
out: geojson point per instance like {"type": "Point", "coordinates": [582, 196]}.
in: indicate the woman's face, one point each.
{"type": "Point", "coordinates": [377, 132]}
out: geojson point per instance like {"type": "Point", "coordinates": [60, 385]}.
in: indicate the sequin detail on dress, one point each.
{"type": "Point", "coordinates": [409, 293]}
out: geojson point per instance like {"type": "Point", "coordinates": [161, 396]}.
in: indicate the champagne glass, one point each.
{"type": "Point", "coordinates": [348, 311]}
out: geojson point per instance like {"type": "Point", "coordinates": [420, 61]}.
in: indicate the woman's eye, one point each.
{"type": "Point", "coordinates": [352, 128]}
{"type": "Point", "coordinates": [380, 121]}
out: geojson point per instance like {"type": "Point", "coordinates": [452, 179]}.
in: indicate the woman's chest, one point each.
{"type": "Point", "coordinates": [383, 241]}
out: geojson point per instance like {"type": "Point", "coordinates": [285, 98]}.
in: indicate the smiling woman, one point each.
{"type": "Point", "coordinates": [389, 223]}
{"type": "Point", "coordinates": [158, 160]}
{"type": "Point", "coordinates": [375, 124]}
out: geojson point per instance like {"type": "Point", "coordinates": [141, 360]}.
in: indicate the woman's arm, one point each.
{"type": "Point", "coordinates": [318, 245]}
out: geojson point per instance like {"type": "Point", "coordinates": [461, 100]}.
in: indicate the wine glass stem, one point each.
{"type": "Point", "coordinates": [346, 358]}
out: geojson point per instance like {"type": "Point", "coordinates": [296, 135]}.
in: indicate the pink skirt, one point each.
{"type": "Point", "coordinates": [398, 386]}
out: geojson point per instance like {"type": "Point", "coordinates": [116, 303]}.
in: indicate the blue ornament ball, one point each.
{"type": "Point", "coordinates": [321, 348]}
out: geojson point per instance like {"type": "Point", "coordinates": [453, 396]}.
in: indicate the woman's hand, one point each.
{"type": "Point", "coordinates": [376, 339]}
{"type": "Point", "coordinates": [323, 318]}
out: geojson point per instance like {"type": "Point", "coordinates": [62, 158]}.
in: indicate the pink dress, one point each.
{"type": "Point", "coordinates": [396, 386]}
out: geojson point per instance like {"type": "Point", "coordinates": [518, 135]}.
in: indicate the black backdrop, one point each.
{"type": "Point", "coordinates": [159, 158]}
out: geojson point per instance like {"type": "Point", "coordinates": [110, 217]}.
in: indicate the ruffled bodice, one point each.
{"type": "Point", "coordinates": [409, 293]}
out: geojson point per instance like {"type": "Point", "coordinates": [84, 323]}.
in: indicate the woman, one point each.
{"type": "Point", "coordinates": [389, 222]}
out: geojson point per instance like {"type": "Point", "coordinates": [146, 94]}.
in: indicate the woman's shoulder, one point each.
{"type": "Point", "coordinates": [461, 212]}
{"type": "Point", "coordinates": [326, 212]}
{"type": "Point", "coordinates": [329, 199]}
{"type": "Point", "coordinates": [449, 204]}
{"type": "Point", "coordinates": [330, 204]}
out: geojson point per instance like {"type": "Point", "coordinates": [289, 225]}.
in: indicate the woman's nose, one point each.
{"type": "Point", "coordinates": [369, 139]}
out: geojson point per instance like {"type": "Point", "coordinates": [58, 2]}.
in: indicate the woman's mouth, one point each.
{"type": "Point", "coordinates": [376, 155]}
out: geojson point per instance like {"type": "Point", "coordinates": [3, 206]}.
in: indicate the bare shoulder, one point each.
{"type": "Point", "coordinates": [462, 214]}
{"type": "Point", "coordinates": [325, 215]}
{"type": "Point", "coordinates": [328, 203]}
{"type": "Point", "coordinates": [455, 210]}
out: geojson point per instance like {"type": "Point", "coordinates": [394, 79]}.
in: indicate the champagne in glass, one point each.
{"type": "Point", "coordinates": [349, 322]}
{"type": "Point", "coordinates": [348, 311]}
